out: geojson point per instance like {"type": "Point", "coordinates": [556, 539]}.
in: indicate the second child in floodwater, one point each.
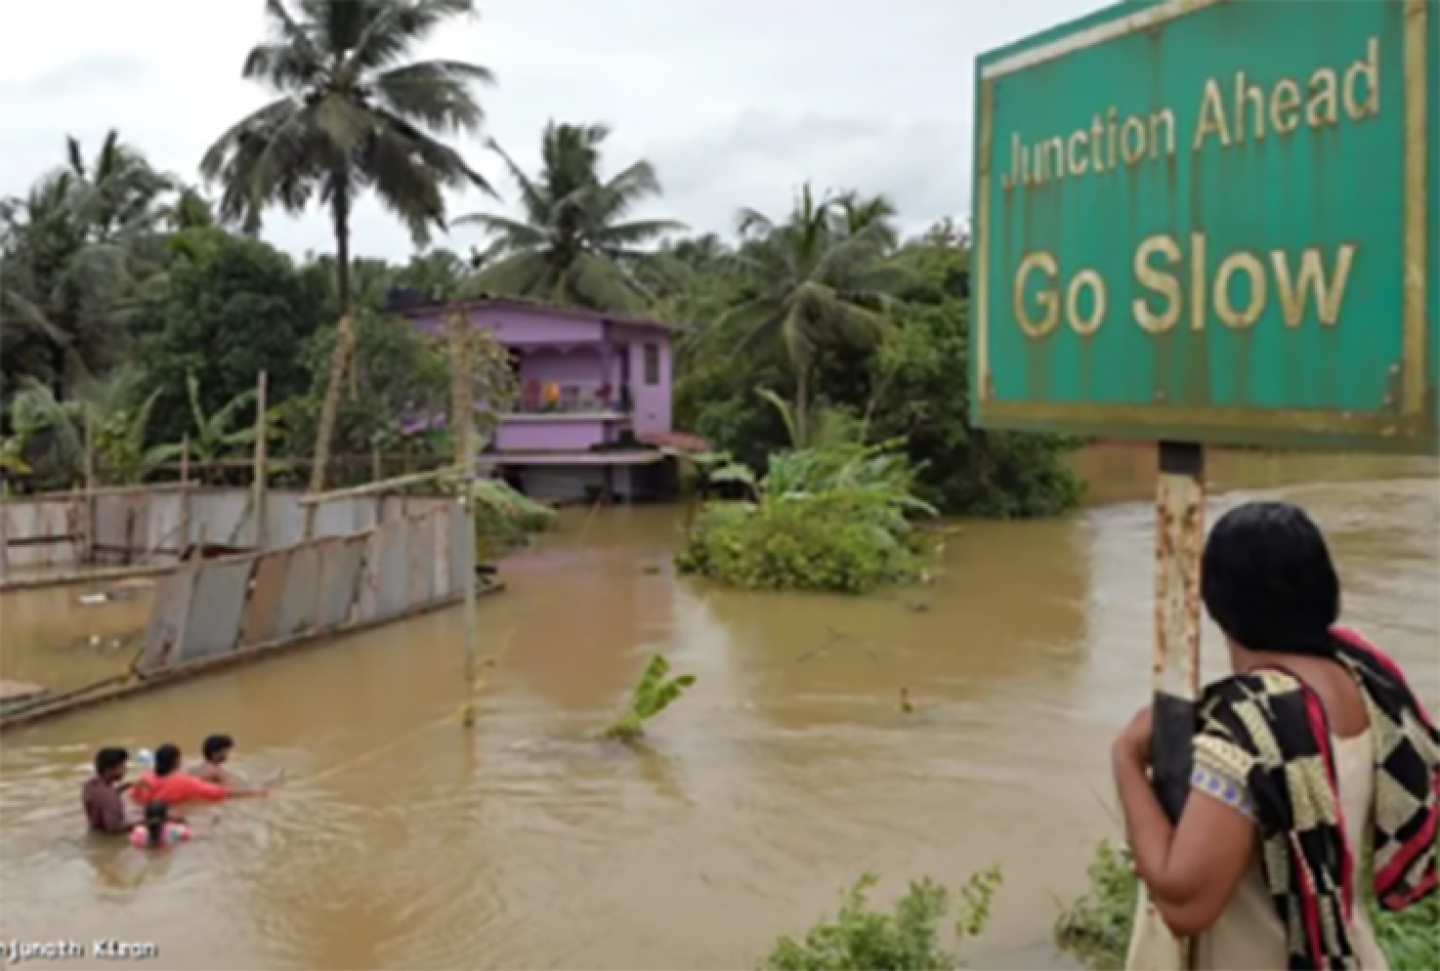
{"type": "Point", "coordinates": [216, 751]}
{"type": "Point", "coordinates": [159, 828]}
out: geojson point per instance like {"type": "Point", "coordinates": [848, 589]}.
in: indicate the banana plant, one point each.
{"type": "Point", "coordinates": [215, 436]}
{"type": "Point", "coordinates": [652, 694]}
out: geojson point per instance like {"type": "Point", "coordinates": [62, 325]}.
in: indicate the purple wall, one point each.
{"type": "Point", "coordinates": [554, 434]}
{"type": "Point", "coordinates": [570, 348]}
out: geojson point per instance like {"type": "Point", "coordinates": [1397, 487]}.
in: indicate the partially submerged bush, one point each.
{"type": "Point", "coordinates": [504, 518]}
{"type": "Point", "coordinates": [653, 693]}
{"type": "Point", "coordinates": [1096, 926]}
{"type": "Point", "coordinates": [833, 519]}
{"type": "Point", "coordinates": [909, 938]}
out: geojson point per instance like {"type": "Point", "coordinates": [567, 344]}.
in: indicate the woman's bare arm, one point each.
{"type": "Point", "coordinates": [1192, 869]}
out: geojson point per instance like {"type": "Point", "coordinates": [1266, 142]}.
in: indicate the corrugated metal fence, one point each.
{"type": "Point", "coordinates": [146, 524]}
{"type": "Point", "coordinates": [206, 609]}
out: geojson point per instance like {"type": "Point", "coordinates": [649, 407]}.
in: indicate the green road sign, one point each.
{"type": "Point", "coordinates": [1212, 221]}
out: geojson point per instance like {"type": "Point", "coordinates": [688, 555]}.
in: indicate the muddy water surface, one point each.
{"type": "Point", "coordinates": [399, 840]}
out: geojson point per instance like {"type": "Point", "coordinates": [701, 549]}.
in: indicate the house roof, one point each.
{"type": "Point", "coordinates": [485, 302]}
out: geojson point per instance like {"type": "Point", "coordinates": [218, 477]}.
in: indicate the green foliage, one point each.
{"type": "Point", "coordinates": [353, 113]}
{"type": "Point", "coordinates": [653, 693]}
{"type": "Point", "coordinates": [227, 431]}
{"type": "Point", "coordinates": [1096, 926]}
{"type": "Point", "coordinates": [574, 243]}
{"type": "Point", "coordinates": [225, 308]}
{"type": "Point", "coordinates": [834, 519]}
{"type": "Point", "coordinates": [909, 938]}
{"type": "Point", "coordinates": [504, 518]}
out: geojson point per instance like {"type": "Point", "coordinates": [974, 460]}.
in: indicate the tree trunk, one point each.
{"type": "Point", "coordinates": [802, 407]}
{"type": "Point", "coordinates": [340, 356]}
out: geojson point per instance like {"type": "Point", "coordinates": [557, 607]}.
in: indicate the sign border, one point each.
{"type": "Point", "coordinates": [1402, 429]}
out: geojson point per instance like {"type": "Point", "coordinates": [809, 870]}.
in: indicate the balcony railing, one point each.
{"type": "Point", "coordinates": [549, 398]}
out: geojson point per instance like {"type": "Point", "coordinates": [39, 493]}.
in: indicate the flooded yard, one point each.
{"type": "Point", "coordinates": [400, 840]}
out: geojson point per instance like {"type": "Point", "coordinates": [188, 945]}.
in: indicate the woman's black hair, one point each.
{"type": "Point", "coordinates": [167, 759]}
{"type": "Point", "coordinates": [1268, 581]}
{"type": "Point", "coordinates": [157, 813]}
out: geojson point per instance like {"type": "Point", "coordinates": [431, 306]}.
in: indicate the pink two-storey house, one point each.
{"type": "Point", "coordinates": [595, 400]}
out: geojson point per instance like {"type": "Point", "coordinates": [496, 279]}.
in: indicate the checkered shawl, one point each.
{"type": "Point", "coordinates": [1268, 733]}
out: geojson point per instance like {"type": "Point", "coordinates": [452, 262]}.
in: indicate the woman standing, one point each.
{"type": "Point", "coordinates": [1315, 766]}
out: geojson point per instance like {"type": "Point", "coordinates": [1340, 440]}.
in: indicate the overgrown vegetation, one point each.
{"type": "Point", "coordinates": [113, 267]}
{"type": "Point", "coordinates": [504, 518]}
{"type": "Point", "coordinates": [1096, 926]}
{"type": "Point", "coordinates": [832, 518]}
{"type": "Point", "coordinates": [912, 936]}
{"type": "Point", "coordinates": [655, 691]}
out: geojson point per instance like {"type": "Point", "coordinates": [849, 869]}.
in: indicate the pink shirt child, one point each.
{"type": "Point", "coordinates": [172, 834]}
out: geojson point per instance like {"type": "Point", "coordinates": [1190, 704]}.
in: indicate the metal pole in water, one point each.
{"type": "Point", "coordinates": [1179, 538]}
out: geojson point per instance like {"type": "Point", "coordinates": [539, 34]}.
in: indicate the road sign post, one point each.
{"type": "Point", "coordinates": [1209, 222]}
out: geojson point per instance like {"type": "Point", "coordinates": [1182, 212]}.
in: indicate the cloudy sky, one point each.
{"type": "Point", "coordinates": [736, 101]}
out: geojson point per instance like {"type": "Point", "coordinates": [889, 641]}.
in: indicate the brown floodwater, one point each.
{"type": "Point", "coordinates": [400, 840]}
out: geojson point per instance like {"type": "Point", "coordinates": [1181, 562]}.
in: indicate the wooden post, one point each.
{"type": "Point", "coordinates": [88, 551]}
{"type": "Point", "coordinates": [462, 430]}
{"type": "Point", "coordinates": [185, 503]}
{"type": "Point", "coordinates": [262, 457]}
{"type": "Point", "coordinates": [1179, 538]}
{"type": "Point", "coordinates": [4, 525]}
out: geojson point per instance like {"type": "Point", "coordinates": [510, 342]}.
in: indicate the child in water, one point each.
{"type": "Point", "coordinates": [158, 829]}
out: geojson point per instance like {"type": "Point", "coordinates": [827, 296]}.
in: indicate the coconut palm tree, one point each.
{"type": "Point", "coordinates": [61, 291]}
{"type": "Point", "coordinates": [812, 284]}
{"type": "Point", "coordinates": [573, 243]}
{"type": "Point", "coordinates": [352, 113]}
{"type": "Point", "coordinates": [118, 193]}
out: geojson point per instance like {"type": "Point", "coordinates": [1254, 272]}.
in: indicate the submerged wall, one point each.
{"type": "Point", "coordinates": [152, 525]}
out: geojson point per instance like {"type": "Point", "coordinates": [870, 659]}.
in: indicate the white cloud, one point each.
{"type": "Point", "coordinates": [735, 101]}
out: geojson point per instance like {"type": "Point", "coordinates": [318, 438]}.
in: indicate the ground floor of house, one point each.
{"type": "Point", "coordinates": [638, 475]}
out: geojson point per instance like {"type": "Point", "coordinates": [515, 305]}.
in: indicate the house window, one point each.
{"type": "Point", "coordinates": [652, 364]}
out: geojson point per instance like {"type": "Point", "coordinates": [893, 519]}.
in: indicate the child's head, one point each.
{"type": "Point", "coordinates": [216, 748]}
{"type": "Point", "coordinates": [157, 814]}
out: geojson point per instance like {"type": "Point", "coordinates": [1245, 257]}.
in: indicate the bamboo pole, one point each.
{"type": "Point", "coordinates": [462, 429]}
{"type": "Point", "coordinates": [262, 457]}
{"type": "Point", "coordinates": [185, 503]}
{"type": "Point", "coordinates": [88, 554]}
{"type": "Point", "coordinates": [385, 485]}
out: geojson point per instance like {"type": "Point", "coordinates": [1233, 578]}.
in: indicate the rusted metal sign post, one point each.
{"type": "Point", "coordinates": [1208, 222]}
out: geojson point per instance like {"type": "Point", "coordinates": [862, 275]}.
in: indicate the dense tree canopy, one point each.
{"type": "Point", "coordinates": [125, 287]}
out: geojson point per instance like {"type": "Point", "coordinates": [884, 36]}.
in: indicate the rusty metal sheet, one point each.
{"type": "Point", "coordinates": [169, 612]}
{"type": "Point", "coordinates": [216, 608]}
{"type": "Point", "coordinates": [262, 611]}
{"type": "Point", "coordinates": [161, 525]}
{"type": "Point", "coordinates": [302, 588]}
{"type": "Point", "coordinates": [443, 585]}
{"type": "Point", "coordinates": [367, 599]}
{"type": "Point", "coordinates": [462, 548]}
{"type": "Point", "coordinates": [421, 531]}
{"type": "Point", "coordinates": [284, 521]}
{"type": "Point", "coordinates": [340, 561]}
{"type": "Point", "coordinates": [393, 577]}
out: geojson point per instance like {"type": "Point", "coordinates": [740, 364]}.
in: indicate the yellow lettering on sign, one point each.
{"type": "Point", "coordinates": [1239, 263]}
{"type": "Point", "coordinates": [1320, 108]}
{"type": "Point", "coordinates": [1165, 284]}
{"type": "Point", "coordinates": [1044, 263]}
{"type": "Point", "coordinates": [1085, 280]}
{"type": "Point", "coordinates": [1285, 107]}
{"type": "Point", "coordinates": [1212, 117]}
{"type": "Point", "coordinates": [1329, 292]}
{"type": "Point", "coordinates": [1309, 279]}
{"type": "Point", "coordinates": [1368, 69]}
{"type": "Point", "coordinates": [1078, 162]}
